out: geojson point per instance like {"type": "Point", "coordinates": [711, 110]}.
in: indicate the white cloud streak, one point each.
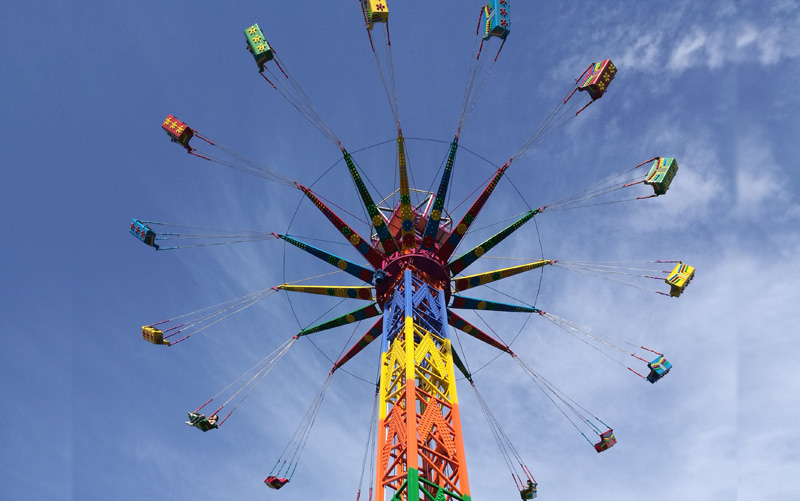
{"type": "Point", "coordinates": [732, 35]}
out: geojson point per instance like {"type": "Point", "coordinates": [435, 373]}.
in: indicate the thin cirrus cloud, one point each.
{"type": "Point", "coordinates": [711, 43]}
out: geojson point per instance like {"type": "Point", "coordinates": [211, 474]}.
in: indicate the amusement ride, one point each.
{"type": "Point", "coordinates": [412, 280]}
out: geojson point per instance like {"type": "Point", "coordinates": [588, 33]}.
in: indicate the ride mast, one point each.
{"type": "Point", "coordinates": [420, 446]}
{"type": "Point", "coordinates": [420, 449]}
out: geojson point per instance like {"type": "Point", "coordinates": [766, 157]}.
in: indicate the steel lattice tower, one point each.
{"type": "Point", "coordinates": [419, 435]}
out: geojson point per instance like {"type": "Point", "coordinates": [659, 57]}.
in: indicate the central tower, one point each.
{"type": "Point", "coordinates": [420, 449]}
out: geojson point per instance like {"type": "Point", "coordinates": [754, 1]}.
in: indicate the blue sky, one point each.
{"type": "Point", "coordinates": [93, 412]}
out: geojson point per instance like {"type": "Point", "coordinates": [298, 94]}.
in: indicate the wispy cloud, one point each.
{"type": "Point", "coordinates": [771, 43]}
{"type": "Point", "coordinates": [706, 48]}
{"type": "Point", "coordinates": [732, 35]}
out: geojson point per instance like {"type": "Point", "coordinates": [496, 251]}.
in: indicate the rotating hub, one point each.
{"type": "Point", "coordinates": [424, 267]}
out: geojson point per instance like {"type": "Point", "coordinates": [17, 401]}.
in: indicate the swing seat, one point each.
{"type": "Point", "coordinates": [200, 421]}
{"type": "Point", "coordinates": [661, 173]}
{"type": "Point", "coordinates": [153, 335]}
{"type": "Point", "coordinates": [658, 369]}
{"type": "Point", "coordinates": [274, 482]}
{"type": "Point", "coordinates": [495, 19]}
{"type": "Point", "coordinates": [258, 46]}
{"type": "Point", "coordinates": [679, 278]}
{"type": "Point", "coordinates": [375, 11]}
{"type": "Point", "coordinates": [143, 233]}
{"type": "Point", "coordinates": [599, 78]}
{"type": "Point", "coordinates": [178, 131]}
{"type": "Point", "coordinates": [528, 492]}
{"type": "Point", "coordinates": [607, 441]}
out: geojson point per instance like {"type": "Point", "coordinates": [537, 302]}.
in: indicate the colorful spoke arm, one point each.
{"type": "Point", "coordinates": [354, 316]}
{"type": "Point", "coordinates": [408, 239]}
{"type": "Point", "coordinates": [468, 303]}
{"type": "Point", "coordinates": [387, 240]}
{"type": "Point", "coordinates": [449, 246]}
{"type": "Point", "coordinates": [365, 292]}
{"type": "Point", "coordinates": [471, 281]}
{"type": "Point", "coordinates": [466, 327]}
{"type": "Point", "coordinates": [361, 245]}
{"type": "Point", "coordinates": [346, 266]}
{"type": "Point", "coordinates": [432, 229]}
{"type": "Point", "coordinates": [373, 333]}
{"type": "Point", "coordinates": [459, 264]}
{"type": "Point", "coordinates": [460, 365]}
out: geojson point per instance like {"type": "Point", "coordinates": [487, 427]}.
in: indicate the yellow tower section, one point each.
{"type": "Point", "coordinates": [420, 448]}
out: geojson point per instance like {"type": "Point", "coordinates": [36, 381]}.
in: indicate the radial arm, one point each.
{"type": "Point", "coordinates": [449, 246]}
{"type": "Point", "coordinates": [354, 316]}
{"type": "Point", "coordinates": [364, 292]}
{"type": "Point", "coordinates": [408, 239]}
{"type": "Point", "coordinates": [459, 264]}
{"type": "Point", "coordinates": [468, 303]}
{"type": "Point", "coordinates": [373, 333]}
{"type": "Point", "coordinates": [471, 281]}
{"type": "Point", "coordinates": [386, 238]}
{"type": "Point", "coordinates": [460, 365]}
{"type": "Point", "coordinates": [432, 228]}
{"type": "Point", "coordinates": [466, 327]}
{"type": "Point", "coordinates": [361, 245]}
{"type": "Point", "coordinates": [346, 266]}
